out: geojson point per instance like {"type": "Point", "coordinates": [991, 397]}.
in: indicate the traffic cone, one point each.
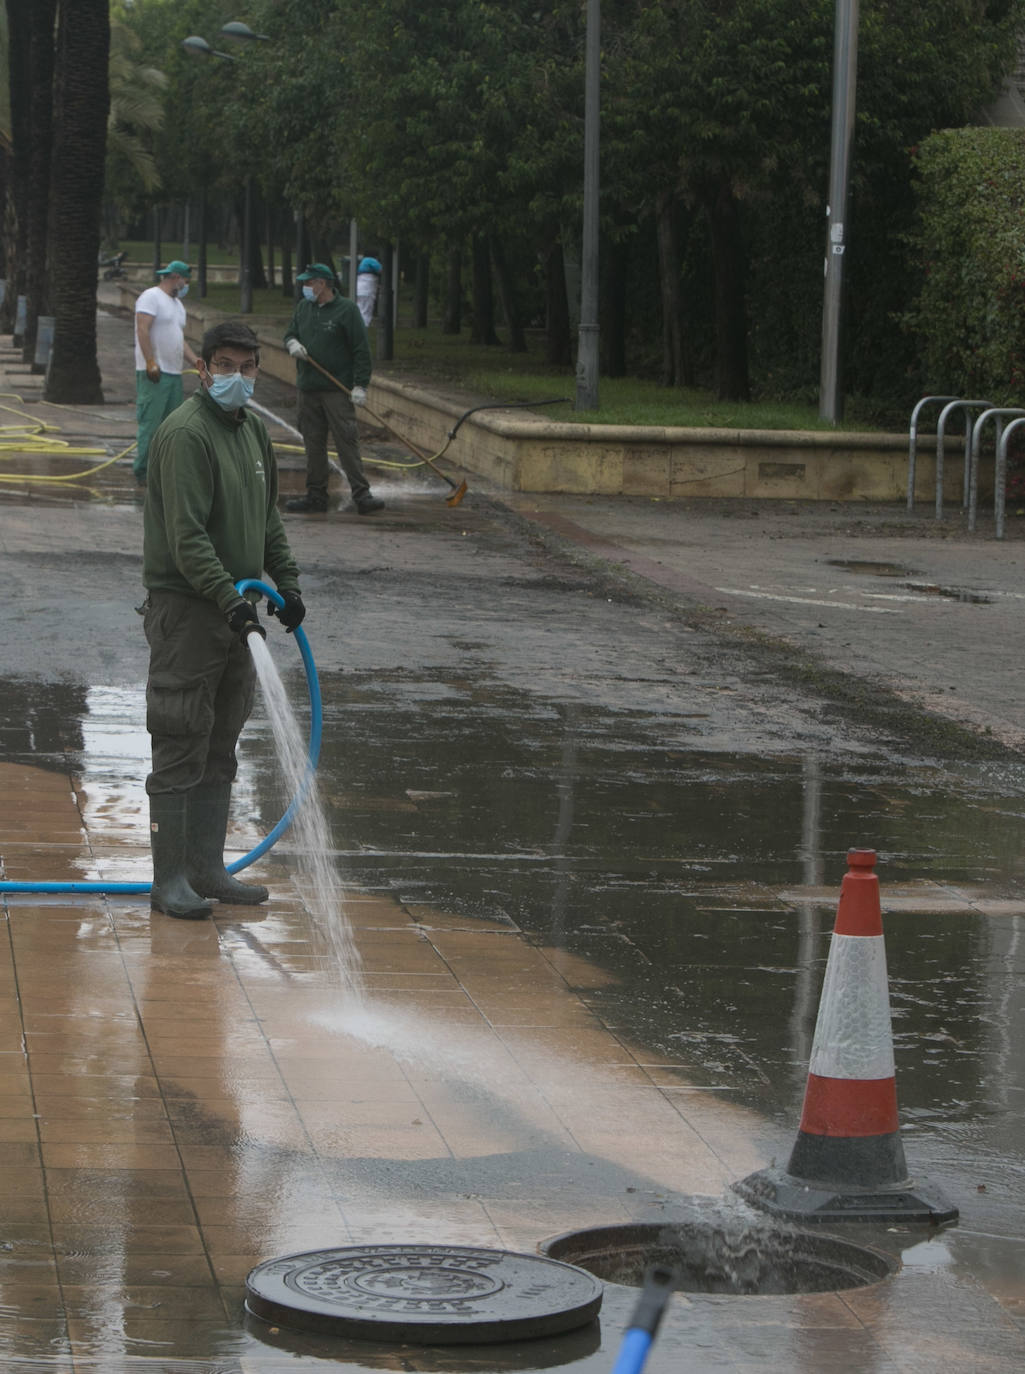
{"type": "Point", "coordinates": [848, 1161]}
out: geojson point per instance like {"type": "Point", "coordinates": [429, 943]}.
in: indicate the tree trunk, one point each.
{"type": "Point", "coordinates": [483, 330]}
{"type": "Point", "coordinates": [16, 210]}
{"type": "Point", "coordinates": [673, 370]}
{"type": "Point", "coordinates": [81, 102]}
{"type": "Point", "coordinates": [386, 305]}
{"type": "Point", "coordinates": [286, 254]}
{"type": "Point", "coordinates": [201, 232]}
{"type": "Point", "coordinates": [732, 382]}
{"type": "Point", "coordinates": [41, 56]}
{"type": "Point", "coordinates": [421, 290]}
{"type": "Point", "coordinates": [615, 261]}
{"type": "Point", "coordinates": [558, 337]}
{"type": "Point", "coordinates": [507, 295]}
{"type": "Point", "coordinates": [321, 250]}
{"type": "Point", "coordinates": [287, 286]}
{"type": "Point", "coordinates": [269, 220]}
{"type": "Point", "coordinates": [304, 248]}
{"type": "Point", "coordinates": [453, 321]}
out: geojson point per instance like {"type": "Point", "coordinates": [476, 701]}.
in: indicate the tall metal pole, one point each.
{"type": "Point", "coordinates": [587, 340]}
{"type": "Point", "coordinates": [845, 76]}
{"type": "Point", "coordinates": [246, 276]}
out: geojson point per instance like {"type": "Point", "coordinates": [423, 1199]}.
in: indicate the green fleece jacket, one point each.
{"type": "Point", "coordinates": [336, 337]}
{"type": "Point", "coordinates": [211, 515]}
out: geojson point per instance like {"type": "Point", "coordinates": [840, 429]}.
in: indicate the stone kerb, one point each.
{"type": "Point", "coordinates": [518, 452]}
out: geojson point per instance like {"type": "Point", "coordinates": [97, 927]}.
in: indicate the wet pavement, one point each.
{"type": "Point", "coordinates": [591, 769]}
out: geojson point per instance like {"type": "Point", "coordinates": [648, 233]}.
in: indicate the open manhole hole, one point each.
{"type": "Point", "coordinates": [719, 1257]}
{"type": "Point", "coordinates": [423, 1294]}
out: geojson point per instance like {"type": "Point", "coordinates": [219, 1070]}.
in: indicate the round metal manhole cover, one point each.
{"type": "Point", "coordinates": [424, 1294]}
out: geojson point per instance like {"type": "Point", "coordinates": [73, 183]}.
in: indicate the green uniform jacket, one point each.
{"type": "Point", "coordinates": [335, 335]}
{"type": "Point", "coordinates": [211, 515]}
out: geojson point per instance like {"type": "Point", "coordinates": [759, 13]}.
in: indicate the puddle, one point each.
{"type": "Point", "coordinates": [869, 568]}
{"type": "Point", "coordinates": [951, 593]}
{"type": "Point", "coordinates": [649, 871]}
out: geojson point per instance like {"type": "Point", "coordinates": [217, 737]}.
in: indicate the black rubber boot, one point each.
{"type": "Point", "coordinates": [208, 825]}
{"type": "Point", "coordinates": [310, 504]}
{"type": "Point", "coordinates": [171, 891]}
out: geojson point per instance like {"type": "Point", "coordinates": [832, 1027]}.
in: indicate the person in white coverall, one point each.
{"type": "Point", "coordinates": [368, 279]}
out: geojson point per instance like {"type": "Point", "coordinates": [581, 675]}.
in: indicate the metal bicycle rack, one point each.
{"type": "Point", "coordinates": [913, 440]}
{"type": "Point", "coordinates": [995, 413]}
{"type": "Point", "coordinates": [1000, 476]}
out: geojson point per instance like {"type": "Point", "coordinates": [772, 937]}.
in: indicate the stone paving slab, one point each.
{"type": "Point", "coordinates": [178, 1103]}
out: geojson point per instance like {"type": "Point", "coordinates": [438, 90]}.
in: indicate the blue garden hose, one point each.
{"type": "Point", "coordinates": [313, 755]}
{"type": "Point", "coordinates": [659, 1282]}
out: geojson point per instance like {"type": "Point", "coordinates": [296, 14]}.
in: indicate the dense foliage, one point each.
{"type": "Point", "coordinates": [459, 125]}
{"type": "Point", "coordinates": [969, 316]}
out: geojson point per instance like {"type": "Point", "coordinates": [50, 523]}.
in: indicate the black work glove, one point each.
{"type": "Point", "coordinates": [243, 620]}
{"type": "Point", "coordinates": [291, 614]}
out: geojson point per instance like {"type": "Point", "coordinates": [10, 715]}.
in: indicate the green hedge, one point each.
{"type": "Point", "coordinates": [969, 317]}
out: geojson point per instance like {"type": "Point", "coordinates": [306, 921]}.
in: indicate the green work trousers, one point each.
{"type": "Point", "coordinates": [199, 693]}
{"type": "Point", "coordinates": [154, 401]}
{"type": "Point", "coordinates": [321, 412]}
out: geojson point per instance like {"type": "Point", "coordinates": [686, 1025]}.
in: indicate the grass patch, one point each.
{"type": "Point", "coordinates": [494, 374]}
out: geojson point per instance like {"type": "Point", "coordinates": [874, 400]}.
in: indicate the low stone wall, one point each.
{"type": "Point", "coordinates": [517, 451]}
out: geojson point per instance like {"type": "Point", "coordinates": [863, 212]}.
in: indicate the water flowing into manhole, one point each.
{"type": "Point", "coordinates": [723, 1257]}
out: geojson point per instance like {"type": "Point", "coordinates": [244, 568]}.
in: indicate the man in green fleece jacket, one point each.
{"type": "Point", "coordinates": [210, 520]}
{"type": "Point", "coordinates": [328, 328]}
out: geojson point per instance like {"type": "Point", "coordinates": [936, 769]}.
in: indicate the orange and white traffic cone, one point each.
{"type": "Point", "coordinates": [848, 1161]}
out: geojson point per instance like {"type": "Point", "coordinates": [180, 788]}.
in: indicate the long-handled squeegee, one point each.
{"type": "Point", "coordinates": [458, 488]}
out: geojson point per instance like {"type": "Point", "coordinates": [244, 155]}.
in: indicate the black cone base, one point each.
{"type": "Point", "coordinates": [423, 1294]}
{"type": "Point", "coordinates": [786, 1196]}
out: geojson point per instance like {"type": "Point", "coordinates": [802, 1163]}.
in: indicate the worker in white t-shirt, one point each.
{"type": "Point", "coordinates": [160, 351]}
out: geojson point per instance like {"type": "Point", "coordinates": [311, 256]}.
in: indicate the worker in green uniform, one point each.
{"type": "Point", "coordinates": [210, 520]}
{"type": "Point", "coordinates": [327, 327]}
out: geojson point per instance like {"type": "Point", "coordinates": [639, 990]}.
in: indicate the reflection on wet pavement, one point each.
{"type": "Point", "coordinates": [593, 954]}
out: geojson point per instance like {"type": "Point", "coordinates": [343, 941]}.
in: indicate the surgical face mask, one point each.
{"type": "Point", "coordinates": [308, 293]}
{"type": "Point", "coordinates": [182, 291]}
{"type": "Point", "coordinates": [233, 391]}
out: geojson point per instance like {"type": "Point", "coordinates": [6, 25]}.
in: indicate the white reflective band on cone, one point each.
{"type": "Point", "coordinates": [853, 1035]}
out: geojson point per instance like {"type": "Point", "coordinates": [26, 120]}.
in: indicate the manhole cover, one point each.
{"type": "Point", "coordinates": [427, 1294]}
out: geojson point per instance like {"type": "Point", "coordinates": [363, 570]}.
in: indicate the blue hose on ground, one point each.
{"type": "Point", "coordinates": [313, 755]}
{"type": "Point", "coordinates": [659, 1282]}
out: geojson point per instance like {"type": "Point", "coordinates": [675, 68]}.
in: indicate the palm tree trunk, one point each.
{"type": "Point", "coordinates": [16, 213]}
{"type": "Point", "coordinates": [41, 57]}
{"type": "Point", "coordinates": [81, 102]}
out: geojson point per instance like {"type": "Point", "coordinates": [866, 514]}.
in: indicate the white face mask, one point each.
{"type": "Point", "coordinates": [231, 392]}
{"type": "Point", "coordinates": [182, 291]}
{"type": "Point", "coordinates": [308, 293]}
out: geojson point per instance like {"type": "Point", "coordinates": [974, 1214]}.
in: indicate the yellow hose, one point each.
{"type": "Point", "coordinates": [29, 439]}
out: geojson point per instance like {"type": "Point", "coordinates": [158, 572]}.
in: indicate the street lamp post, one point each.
{"type": "Point", "coordinates": [199, 47]}
{"type": "Point", "coordinates": [587, 339]}
{"type": "Point", "coordinates": [845, 70]}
